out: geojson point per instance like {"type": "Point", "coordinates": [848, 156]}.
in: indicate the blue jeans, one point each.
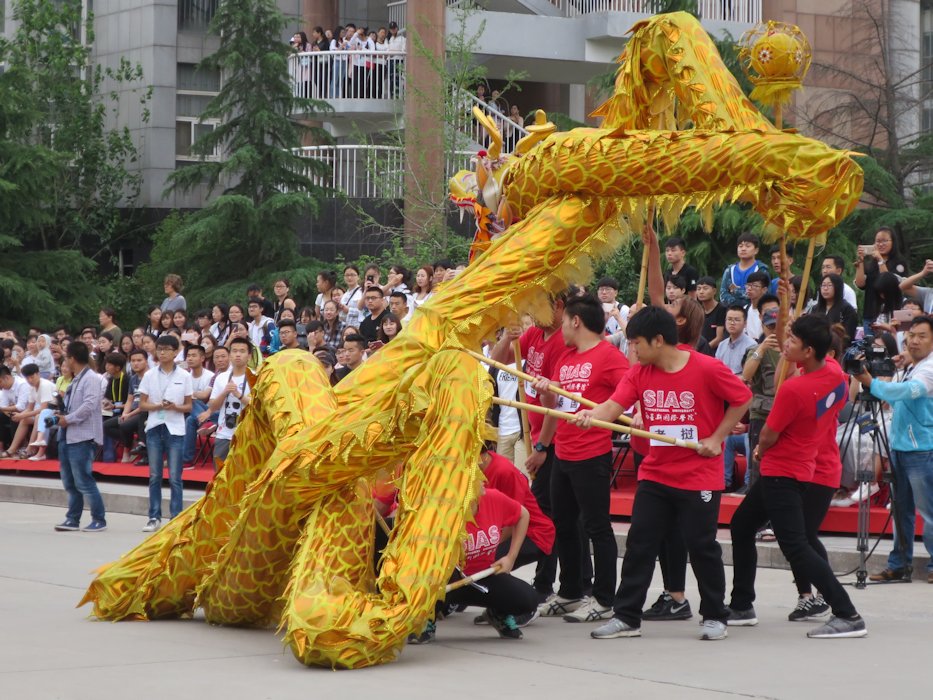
{"type": "Point", "coordinates": [160, 442]}
{"type": "Point", "coordinates": [75, 464]}
{"type": "Point", "coordinates": [913, 491]}
{"type": "Point", "coordinates": [734, 444]}
{"type": "Point", "coordinates": [191, 430]}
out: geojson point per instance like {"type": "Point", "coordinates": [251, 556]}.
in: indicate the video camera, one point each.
{"type": "Point", "coordinates": [863, 355]}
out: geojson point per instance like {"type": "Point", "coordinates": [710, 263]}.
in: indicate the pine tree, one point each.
{"type": "Point", "coordinates": [265, 185]}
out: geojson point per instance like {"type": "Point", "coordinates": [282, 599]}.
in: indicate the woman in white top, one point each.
{"type": "Point", "coordinates": [424, 285]}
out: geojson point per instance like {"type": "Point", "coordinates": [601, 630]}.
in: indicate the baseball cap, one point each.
{"type": "Point", "coordinates": [769, 317]}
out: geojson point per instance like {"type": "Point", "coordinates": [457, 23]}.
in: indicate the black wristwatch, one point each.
{"type": "Point", "coordinates": [539, 447]}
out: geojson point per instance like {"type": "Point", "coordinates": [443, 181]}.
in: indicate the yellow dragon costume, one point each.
{"type": "Point", "coordinates": [283, 536]}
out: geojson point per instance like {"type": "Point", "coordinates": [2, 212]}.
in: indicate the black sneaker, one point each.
{"type": "Point", "coordinates": [808, 609]}
{"type": "Point", "coordinates": [67, 526]}
{"type": "Point", "coordinates": [427, 634]}
{"type": "Point", "coordinates": [505, 625]}
{"type": "Point", "coordinates": [742, 618]}
{"type": "Point", "coordinates": [666, 608]}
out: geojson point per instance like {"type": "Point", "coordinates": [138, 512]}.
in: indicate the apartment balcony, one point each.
{"type": "Point", "coordinates": [569, 41]}
{"type": "Point", "coordinates": [366, 89]}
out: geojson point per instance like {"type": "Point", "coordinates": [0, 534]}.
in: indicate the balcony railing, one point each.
{"type": "Point", "coordinates": [370, 172]}
{"type": "Point", "coordinates": [742, 11]}
{"type": "Point", "coordinates": [354, 75]}
{"type": "Point", "coordinates": [467, 125]}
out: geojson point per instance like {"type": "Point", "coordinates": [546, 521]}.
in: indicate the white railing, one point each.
{"type": "Point", "coordinates": [370, 172]}
{"type": "Point", "coordinates": [742, 11]}
{"type": "Point", "coordinates": [354, 75]}
{"type": "Point", "coordinates": [465, 123]}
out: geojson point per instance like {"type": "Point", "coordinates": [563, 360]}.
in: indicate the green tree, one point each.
{"type": "Point", "coordinates": [63, 172]}
{"type": "Point", "coordinates": [265, 186]}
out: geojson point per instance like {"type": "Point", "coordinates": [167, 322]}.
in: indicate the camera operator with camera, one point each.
{"type": "Point", "coordinates": [911, 446]}
{"type": "Point", "coordinates": [80, 430]}
{"type": "Point", "coordinates": [230, 396]}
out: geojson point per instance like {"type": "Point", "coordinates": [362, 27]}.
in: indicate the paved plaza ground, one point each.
{"type": "Point", "coordinates": [49, 649]}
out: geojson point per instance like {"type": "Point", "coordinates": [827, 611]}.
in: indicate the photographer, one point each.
{"type": "Point", "coordinates": [911, 448]}
{"type": "Point", "coordinates": [80, 431]}
{"type": "Point", "coordinates": [165, 394]}
{"type": "Point", "coordinates": [230, 396]}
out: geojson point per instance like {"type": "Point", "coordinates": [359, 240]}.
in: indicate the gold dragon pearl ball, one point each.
{"type": "Point", "coordinates": [777, 55]}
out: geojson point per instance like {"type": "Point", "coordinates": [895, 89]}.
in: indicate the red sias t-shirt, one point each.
{"type": "Point", "coordinates": [804, 409]}
{"type": "Point", "coordinates": [594, 375]}
{"type": "Point", "coordinates": [539, 355]}
{"type": "Point", "coordinates": [690, 405]}
{"type": "Point", "coordinates": [494, 512]}
{"type": "Point", "coordinates": [505, 477]}
{"type": "Point", "coordinates": [828, 469]}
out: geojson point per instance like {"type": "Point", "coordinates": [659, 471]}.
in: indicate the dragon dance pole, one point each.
{"type": "Point", "coordinates": [527, 377]}
{"type": "Point", "coordinates": [478, 576]}
{"type": "Point", "coordinates": [605, 425]}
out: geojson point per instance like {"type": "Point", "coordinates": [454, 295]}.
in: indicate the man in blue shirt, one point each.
{"type": "Point", "coordinates": [911, 449]}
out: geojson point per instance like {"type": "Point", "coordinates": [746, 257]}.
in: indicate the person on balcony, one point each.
{"type": "Point", "coordinates": [380, 65]}
{"type": "Point", "coordinates": [396, 70]}
{"type": "Point", "coordinates": [320, 74]}
{"type": "Point", "coordinates": [301, 45]}
{"type": "Point", "coordinates": [338, 77]}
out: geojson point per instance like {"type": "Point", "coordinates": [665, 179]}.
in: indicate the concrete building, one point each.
{"type": "Point", "coordinates": [380, 125]}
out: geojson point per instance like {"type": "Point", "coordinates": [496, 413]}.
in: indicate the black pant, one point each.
{"type": "Point", "coordinates": [546, 571]}
{"type": "Point", "coordinates": [507, 595]}
{"type": "Point", "coordinates": [7, 430]}
{"type": "Point", "coordinates": [780, 500]}
{"type": "Point", "coordinates": [529, 552]}
{"type": "Point", "coordinates": [124, 432]}
{"type": "Point", "coordinates": [754, 432]}
{"type": "Point", "coordinates": [697, 512]}
{"type": "Point", "coordinates": [581, 488]}
{"type": "Point", "coordinates": [816, 500]}
{"type": "Point", "coordinates": [673, 559]}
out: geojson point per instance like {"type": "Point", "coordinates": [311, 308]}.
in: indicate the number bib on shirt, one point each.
{"type": "Point", "coordinates": [680, 432]}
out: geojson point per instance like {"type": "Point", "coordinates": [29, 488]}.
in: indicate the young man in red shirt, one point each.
{"type": "Point", "coordinates": [497, 520]}
{"type": "Point", "coordinates": [683, 395]}
{"type": "Point", "coordinates": [787, 449]}
{"type": "Point", "coordinates": [592, 368]}
{"type": "Point", "coordinates": [540, 347]}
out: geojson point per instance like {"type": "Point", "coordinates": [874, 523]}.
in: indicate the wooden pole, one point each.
{"type": "Point", "coordinates": [527, 377]}
{"type": "Point", "coordinates": [478, 576]}
{"type": "Point", "coordinates": [643, 278]}
{"type": "Point", "coordinates": [807, 269]}
{"type": "Point", "coordinates": [526, 428]}
{"type": "Point", "coordinates": [605, 425]}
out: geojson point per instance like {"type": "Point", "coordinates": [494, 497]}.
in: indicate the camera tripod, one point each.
{"type": "Point", "coordinates": [867, 417]}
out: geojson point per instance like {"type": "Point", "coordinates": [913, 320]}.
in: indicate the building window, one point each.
{"type": "Point", "coordinates": [196, 15]}
{"type": "Point", "coordinates": [196, 88]}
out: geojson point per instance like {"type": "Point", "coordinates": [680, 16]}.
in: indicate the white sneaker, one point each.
{"type": "Point", "coordinates": [557, 606]}
{"type": "Point", "coordinates": [152, 525]}
{"type": "Point", "coordinates": [38, 443]}
{"type": "Point", "coordinates": [864, 492]}
{"type": "Point", "coordinates": [589, 611]}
